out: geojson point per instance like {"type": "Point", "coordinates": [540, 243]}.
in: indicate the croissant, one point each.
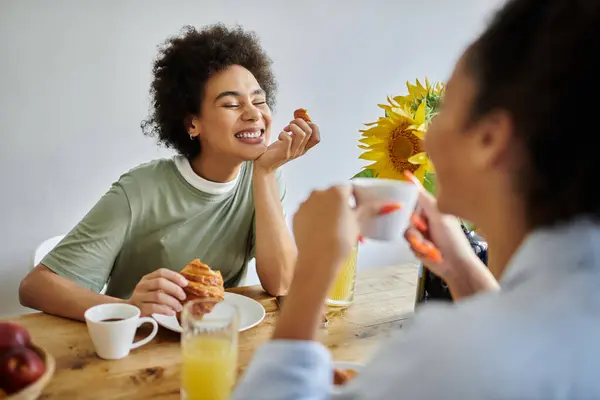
{"type": "Point", "coordinates": [302, 114]}
{"type": "Point", "coordinates": [203, 283]}
{"type": "Point", "coordinates": [342, 376]}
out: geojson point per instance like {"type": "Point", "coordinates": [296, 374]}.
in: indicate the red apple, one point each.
{"type": "Point", "coordinates": [13, 335]}
{"type": "Point", "coordinates": [19, 368]}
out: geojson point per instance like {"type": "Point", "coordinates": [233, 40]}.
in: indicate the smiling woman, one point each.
{"type": "Point", "coordinates": [219, 200]}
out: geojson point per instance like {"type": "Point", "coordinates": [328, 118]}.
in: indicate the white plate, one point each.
{"type": "Point", "coordinates": [251, 313]}
{"type": "Point", "coordinates": [347, 365]}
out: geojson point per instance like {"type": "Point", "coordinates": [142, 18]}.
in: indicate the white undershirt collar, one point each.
{"type": "Point", "coordinates": [204, 185]}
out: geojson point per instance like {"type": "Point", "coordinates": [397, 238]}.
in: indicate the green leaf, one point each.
{"type": "Point", "coordinates": [365, 173]}
{"type": "Point", "coordinates": [429, 182]}
{"type": "Point", "coordinates": [469, 225]}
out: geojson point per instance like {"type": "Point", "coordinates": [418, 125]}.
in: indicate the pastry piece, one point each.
{"type": "Point", "coordinates": [203, 283]}
{"type": "Point", "coordinates": [302, 114]}
{"type": "Point", "coordinates": [342, 376]}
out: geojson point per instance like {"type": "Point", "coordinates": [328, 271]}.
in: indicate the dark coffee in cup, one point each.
{"type": "Point", "coordinates": [112, 319]}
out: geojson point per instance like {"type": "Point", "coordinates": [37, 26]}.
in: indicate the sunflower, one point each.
{"type": "Point", "coordinates": [395, 142]}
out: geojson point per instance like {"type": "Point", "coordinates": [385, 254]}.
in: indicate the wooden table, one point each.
{"type": "Point", "coordinates": [384, 297]}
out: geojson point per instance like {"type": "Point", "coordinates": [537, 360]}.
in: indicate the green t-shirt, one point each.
{"type": "Point", "coordinates": [160, 215]}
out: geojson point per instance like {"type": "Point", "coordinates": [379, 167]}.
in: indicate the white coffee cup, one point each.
{"type": "Point", "coordinates": [112, 328]}
{"type": "Point", "coordinates": [391, 226]}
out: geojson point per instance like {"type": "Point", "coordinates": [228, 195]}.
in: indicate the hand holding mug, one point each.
{"type": "Point", "coordinates": [326, 227]}
{"type": "Point", "coordinates": [439, 242]}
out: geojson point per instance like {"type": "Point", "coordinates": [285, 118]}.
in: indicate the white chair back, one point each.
{"type": "Point", "coordinates": [44, 248]}
{"type": "Point", "coordinates": [251, 277]}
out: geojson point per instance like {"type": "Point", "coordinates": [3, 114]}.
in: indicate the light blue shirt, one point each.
{"type": "Point", "coordinates": [538, 338]}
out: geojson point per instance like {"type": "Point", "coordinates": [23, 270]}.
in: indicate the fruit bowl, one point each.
{"type": "Point", "coordinates": [34, 390]}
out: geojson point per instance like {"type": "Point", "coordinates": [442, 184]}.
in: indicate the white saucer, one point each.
{"type": "Point", "coordinates": [251, 313]}
{"type": "Point", "coordinates": [347, 365]}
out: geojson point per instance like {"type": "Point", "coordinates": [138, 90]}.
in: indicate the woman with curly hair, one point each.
{"type": "Point", "coordinates": [218, 200]}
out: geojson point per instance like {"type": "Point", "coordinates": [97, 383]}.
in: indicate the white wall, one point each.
{"type": "Point", "coordinates": [73, 89]}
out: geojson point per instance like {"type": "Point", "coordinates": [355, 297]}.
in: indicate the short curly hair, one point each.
{"type": "Point", "coordinates": [184, 64]}
{"type": "Point", "coordinates": [539, 61]}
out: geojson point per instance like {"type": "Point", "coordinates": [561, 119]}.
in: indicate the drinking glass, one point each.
{"type": "Point", "coordinates": [209, 345]}
{"type": "Point", "coordinates": [341, 293]}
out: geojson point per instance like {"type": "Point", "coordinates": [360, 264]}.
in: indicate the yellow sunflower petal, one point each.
{"type": "Point", "coordinates": [381, 126]}
{"type": "Point", "coordinates": [402, 100]}
{"type": "Point", "coordinates": [420, 114]}
{"type": "Point", "coordinates": [399, 114]}
{"type": "Point", "coordinates": [390, 173]}
{"type": "Point", "coordinates": [385, 107]}
{"type": "Point", "coordinates": [403, 111]}
{"type": "Point", "coordinates": [378, 166]}
{"type": "Point", "coordinates": [372, 131]}
{"type": "Point", "coordinates": [395, 116]}
{"type": "Point", "coordinates": [418, 131]}
{"type": "Point", "coordinates": [372, 155]}
{"type": "Point", "coordinates": [370, 140]}
{"type": "Point", "coordinates": [381, 147]}
{"type": "Point", "coordinates": [416, 90]}
{"type": "Point", "coordinates": [430, 167]}
{"type": "Point", "coordinates": [412, 89]}
{"type": "Point", "coordinates": [420, 158]}
{"type": "Point", "coordinates": [420, 173]}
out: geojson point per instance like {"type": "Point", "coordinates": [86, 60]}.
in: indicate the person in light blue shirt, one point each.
{"type": "Point", "coordinates": [512, 147]}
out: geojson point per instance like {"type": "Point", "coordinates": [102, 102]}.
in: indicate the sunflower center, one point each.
{"type": "Point", "coordinates": [402, 145]}
{"type": "Point", "coordinates": [402, 148]}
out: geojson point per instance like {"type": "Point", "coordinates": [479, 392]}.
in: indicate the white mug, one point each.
{"type": "Point", "coordinates": [112, 328]}
{"type": "Point", "coordinates": [391, 226]}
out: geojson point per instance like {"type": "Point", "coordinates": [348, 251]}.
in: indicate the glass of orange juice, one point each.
{"type": "Point", "coordinates": [209, 349]}
{"type": "Point", "coordinates": [341, 293]}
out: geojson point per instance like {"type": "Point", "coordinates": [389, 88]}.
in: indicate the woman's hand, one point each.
{"type": "Point", "coordinates": [295, 140]}
{"type": "Point", "coordinates": [431, 228]}
{"type": "Point", "coordinates": [325, 226]}
{"type": "Point", "coordinates": [326, 229]}
{"type": "Point", "coordinates": [458, 265]}
{"type": "Point", "coordinates": [160, 292]}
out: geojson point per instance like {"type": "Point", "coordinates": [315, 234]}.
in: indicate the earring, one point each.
{"type": "Point", "coordinates": [191, 137]}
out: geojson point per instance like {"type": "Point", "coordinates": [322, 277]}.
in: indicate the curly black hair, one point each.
{"type": "Point", "coordinates": [184, 64]}
{"type": "Point", "coordinates": [538, 59]}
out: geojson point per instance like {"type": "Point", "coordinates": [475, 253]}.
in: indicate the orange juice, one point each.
{"type": "Point", "coordinates": [341, 293]}
{"type": "Point", "coordinates": [208, 368]}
